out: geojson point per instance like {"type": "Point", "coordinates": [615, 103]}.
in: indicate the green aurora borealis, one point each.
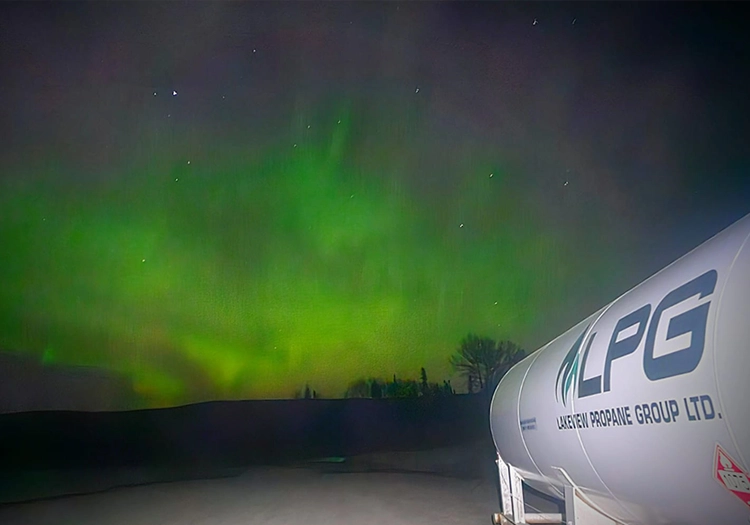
{"type": "Point", "coordinates": [249, 277]}
{"type": "Point", "coordinates": [349, 201]}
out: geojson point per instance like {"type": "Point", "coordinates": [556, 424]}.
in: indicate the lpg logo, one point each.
{"type": "Point", "coordinates": [627, 335]}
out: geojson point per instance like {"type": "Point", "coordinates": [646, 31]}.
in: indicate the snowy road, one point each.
{"type": "Point", "coordinates": [275, 496]}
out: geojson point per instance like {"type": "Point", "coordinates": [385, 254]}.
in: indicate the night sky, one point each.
{"type": "Point", "coordinates": [227, 200]}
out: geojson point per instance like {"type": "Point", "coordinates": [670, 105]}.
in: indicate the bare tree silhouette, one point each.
{"type": "Point", "coordinates": [484, 362]}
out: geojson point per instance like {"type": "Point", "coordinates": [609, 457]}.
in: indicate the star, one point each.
{"type": "Point", "coordinates": [174, 93]}
{"type": "Point", "coordinates": [154, 93]}
{"type": "Point", "coordinates": [535, 22]}
{"type": "Point", "coordinates": [188, 162]}
{"type": "Point", "coordinates": [417, 90]}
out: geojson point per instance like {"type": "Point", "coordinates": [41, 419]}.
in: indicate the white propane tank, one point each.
{"type": "Point", "coordinates": [645, 405]}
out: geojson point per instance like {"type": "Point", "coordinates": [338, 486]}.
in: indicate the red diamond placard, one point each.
{"type": "Point", "coordinates": [731, 476]}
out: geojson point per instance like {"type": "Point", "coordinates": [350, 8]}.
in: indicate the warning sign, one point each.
{"type": "Point", "coordinates": [731, 476]}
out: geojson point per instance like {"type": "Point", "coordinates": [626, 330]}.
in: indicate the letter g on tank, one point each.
{"type": "Point", "coordinates": [692, 322]}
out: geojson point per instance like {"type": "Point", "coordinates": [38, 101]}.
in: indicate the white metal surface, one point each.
{"type": "Point", "coordinates": [633, 401]}
{"type": "Point", "coordinates": [542, 517]}
{"type": "Point", "coordinates": [516, 489]}
{"type": "Point", "coordinates": [512, 499]}
{"type": "Point", "coordinates": [579, 510]}
{"type": "Point", "coordinates": [506, 496]}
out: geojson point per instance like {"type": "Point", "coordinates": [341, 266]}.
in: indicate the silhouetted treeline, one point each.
{"type": "Point", "coordinates": [398, 388]}
{"type": "Point", "coordinates": [480, 360]}
{"type": "Point", "coordinates": [306, 393]}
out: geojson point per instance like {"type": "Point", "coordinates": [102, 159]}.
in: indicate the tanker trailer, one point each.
{"type": "Point", "coordinates": [640, 414]}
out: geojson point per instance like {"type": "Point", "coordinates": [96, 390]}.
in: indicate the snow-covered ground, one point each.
{"type": "Point", "coordinates": [464, 461]}
{"type": "Point", "coordinates": [275, 496]}
{"type": "Point", "coordinates": [439, 486]}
